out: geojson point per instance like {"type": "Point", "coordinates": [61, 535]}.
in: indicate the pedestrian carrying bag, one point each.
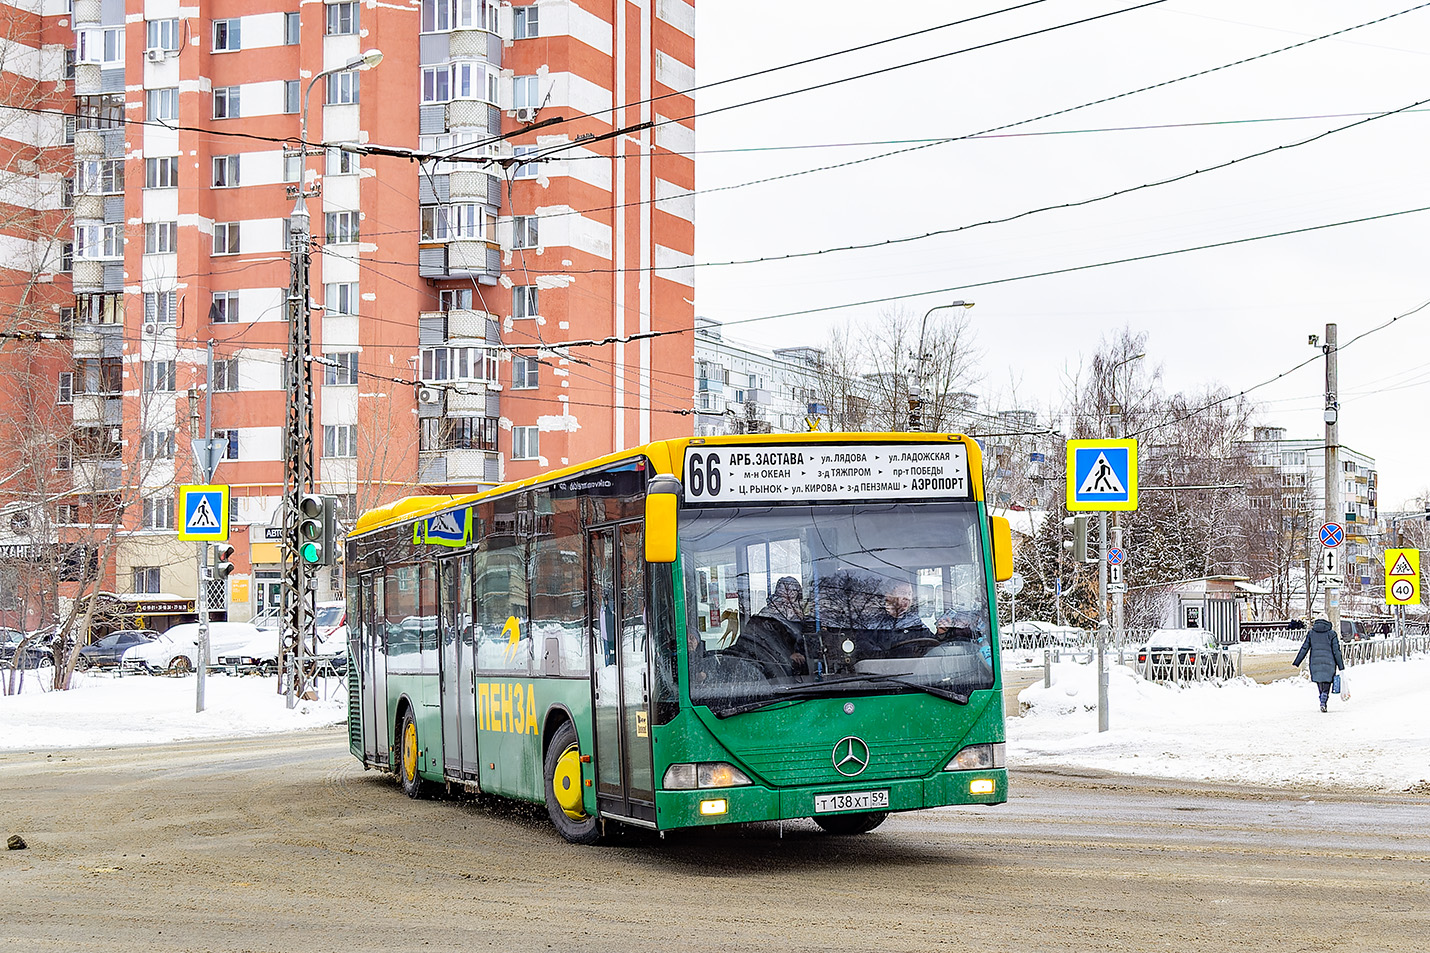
{"type": "Point", "coordinates": [1344, 687]}
{"type": "Point", "coordinates": [1336, 684]}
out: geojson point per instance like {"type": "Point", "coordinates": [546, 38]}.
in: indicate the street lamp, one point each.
{"type": "Point", "coordinates": [916, 400]}
{"type": "Point", "coordinates": [298, 576]}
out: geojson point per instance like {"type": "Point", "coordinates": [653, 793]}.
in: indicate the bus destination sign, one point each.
{"type": "Point", "coordinates": [812, 472]}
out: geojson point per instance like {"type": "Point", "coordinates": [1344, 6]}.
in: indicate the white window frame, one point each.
{"type": "Point", "coordinates": [525, 231]}
{"type": "Point", "coordinates": [227, 238]}
{"type": "Point", "coordinates": [525, 302]}
{"type": "Point", "coordinates": [525, 22]}
{"type": "Point", "coordinates": [97, 242]}
{"type": "Point", "coordinates": [161, 172]}
{"type": "Point", "coordinates": [525, 443]}
{"type": "Point", "coordinates": [160, 377]}
{"type": "Point", "coordinates": [225, 171]}
{"type": "Point", "coordinates": [340, 297]}
{"type": "Point", "coordinates": [99, 177]}
{"type": "Point", "coordinates": [341, 19]}
{"type": "Point", "coordinates": [157, 445]}
{"type": "Point", "coordinates": [225, 379]}
{"type": "Point", "coordinates": [223, 307]}
{"type": "Point", "coordinates": [342, 88]}
{"type": "Point", "coordinates": [525, 372]}
{"type": "Point", "coordinates": [342, 227]}
{"type": "Point", "coordinates": [292, 29]}
{"type": "Point", "coordinates": [228, 35]}
{"type": "Point", "coordinates": [455, 299]}
{"type": "Point", "coordinates": [162, 104]}
{"type": "Point", "coordinates": [437, 84]}
{"type": "Point", "coordinates": [161, 238]}
{"type": "Point", "coordinates": [226, 102]}
{"type": "Point", "coordinates": [471, 364]}
{"type": "Point", "coordinates": [162, 34]}
{"type": "Point", "coordinates": [292, 97]}
{"type": "Point", "coordinates": [525, 170]}
{"type": "Point", "coordinates": [341, 161]}
{"type": "Point", "coordinates": [158, 512]}
{"type": "Point", "coordinates": [65, 390]}
{"type": "Point", "coordinates": [229, 440]}
{"type": "Point", "coordinates": [161, 307]}
{"type": "Point", "coordinates": [339, 441]}
{"type": "Point", "coordinates": [343, 371]}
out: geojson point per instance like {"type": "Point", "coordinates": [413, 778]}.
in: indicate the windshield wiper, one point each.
{"type": "Point", "coordinates": [816, 689]}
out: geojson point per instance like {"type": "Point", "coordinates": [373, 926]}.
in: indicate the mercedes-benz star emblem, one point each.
{"type": "Point", "coordinates": [851, 756]}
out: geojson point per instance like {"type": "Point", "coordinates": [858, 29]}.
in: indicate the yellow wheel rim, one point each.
{"type": "Point", "coordinates": [409, 752]}
{"type": "Point", "coordinates": [566, 784]}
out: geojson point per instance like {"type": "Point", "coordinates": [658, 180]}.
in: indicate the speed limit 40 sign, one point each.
{"type": "Point", "coordinates": [1402, 577]}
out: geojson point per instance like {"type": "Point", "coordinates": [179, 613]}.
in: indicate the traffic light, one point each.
{"type": "Point", "coordinates": [1077, 546]}
{"type": "Point", "coordinates": [222, 564]}
{"type": "Point", "coordinates": [317, 527]}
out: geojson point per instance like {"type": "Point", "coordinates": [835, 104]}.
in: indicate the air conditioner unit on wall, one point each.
{"type": "Point", "coordinates": [428, 395]}
{"type": "Point", "coordinates": [155, 55]}
{"type": "Point", "coordinates": [526, 114]}
{"type": "Point", "coordinates": [151, 327]}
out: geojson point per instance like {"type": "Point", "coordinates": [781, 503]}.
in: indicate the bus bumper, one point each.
{"type": "Point", "coordinates": [755, 802]}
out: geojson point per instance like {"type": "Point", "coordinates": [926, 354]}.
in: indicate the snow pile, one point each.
{"type": "Point", "coordinates": [1236, 731]}
{"type": "Point", "coordinates": [104, 710]}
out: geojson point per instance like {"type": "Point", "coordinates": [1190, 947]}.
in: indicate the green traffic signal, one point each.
{"type": "Point", "coordinates": [317, 530]}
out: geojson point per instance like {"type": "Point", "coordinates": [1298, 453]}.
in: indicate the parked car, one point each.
{"type": "Point", "coordinates": [36, 652]}
{"type": "Point", "coordinates": [261, 654]}
{"type": "Point", "coordinates": [1032, 634]}
{"type": "Point", "coordinates": [1179, 654]}
{"type": "Point", "coordinates": [177, 649]}
{"type": "Point", "coordinates": [107, 652]}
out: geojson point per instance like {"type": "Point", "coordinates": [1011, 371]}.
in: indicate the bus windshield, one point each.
{"type": "Point", "coordinates": [799, 601]}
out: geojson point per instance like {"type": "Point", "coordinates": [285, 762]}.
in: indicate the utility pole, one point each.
{"type": "Point", "coordinates": [916, 396]}
{"type": "Point", "coordinates": [1332, 470]}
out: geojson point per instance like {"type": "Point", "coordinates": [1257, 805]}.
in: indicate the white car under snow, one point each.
{"type": "Point", "coordinates": [177, 649]}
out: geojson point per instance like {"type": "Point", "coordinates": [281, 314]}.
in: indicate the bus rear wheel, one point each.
{"type": "Point", "coordinates": [861, 823]}
{"type": "Point", "coordinates": [565, 793]}
{"type": "Point", "coordinates": [412, 783]}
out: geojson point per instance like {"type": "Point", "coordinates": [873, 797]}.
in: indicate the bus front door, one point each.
{"type": "Point", "coordinates": [625, 784]}
{"type": "Point", "coordinates": [374, 670]}
{"type": "Point", "coordinates": [459, 717]}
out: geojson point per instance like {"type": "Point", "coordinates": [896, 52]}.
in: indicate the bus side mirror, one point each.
{"type": "Point", "coordinates": [1002, 532]}
{"type": "Point", "coordinates": [661, 503]}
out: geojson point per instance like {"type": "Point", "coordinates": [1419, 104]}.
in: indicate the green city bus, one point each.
{"type": "Point", "coordinates": [692, 632]}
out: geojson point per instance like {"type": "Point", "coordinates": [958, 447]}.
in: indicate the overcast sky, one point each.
{"type": "Point", "coordinates": [1232, 316]}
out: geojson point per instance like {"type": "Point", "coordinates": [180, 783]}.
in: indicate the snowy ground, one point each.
{"type": "Point", "coordinates": [1235, 732]}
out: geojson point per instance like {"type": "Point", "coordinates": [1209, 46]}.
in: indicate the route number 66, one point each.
{"type": "Point", "coordinates": [703, 475]}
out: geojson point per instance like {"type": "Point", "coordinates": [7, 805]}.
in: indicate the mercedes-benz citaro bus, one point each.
{"type": "Point", "coordinates": [692, 632]}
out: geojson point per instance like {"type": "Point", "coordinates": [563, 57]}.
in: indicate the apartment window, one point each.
{"type": "Point", "coordinates": [225, 375]}
{"type": "Point", "coordinates": [458, 364]}
{"type": "Point", "coordinates": [340, 440]}
{"type": "Point", "coordinates": [524, 170]}
{"type": "Point", "coordinates": [224, 308]}
{"type": "Point", "coordinates": [292, 169]}
{"type": "Point", "coordinates": [524, 301]}
{"type": "Point", "coordinates": [66, 263]}
{"type": "Point", "coordinates": [99, 241]}
{"type": "Point", "coordinates": [454, 298]}
{"type": "Point", "coordinates": [226, 102]}
{"type": "Point", "coordinates": [162, 34]}
{"type": "Point", "coordinates": [99, 112]}
{"type": "Point", "coordinates": [159, 377]}
{"type": "Point", "coordinates": [525, 443]}
{"type": "Point", "coordinates": [228, 439]}
{"type": "Point", "coordinates": [226, 238]}
{"type": "Point", "coordinates": [436, 84]}
{"type": "Point", "coordinates": [161, 238]}
{"type": "Point", "coordinates": [161, 173]}
{"type": "Point", "coordinates": [524, 372]}
{"type": "Point", "coordinates": [103, 376]}
{"type": "Point", "coordinates": [525, 24]}
{"type": "Point", "coordinates": [526, 92]}
{"type": "Point", "coordinates": [292, 93]}
{"type": "Point", "coordinates": [146, 579]}
{"type": "Point", "coordinates": [343, 87]}
{"type": "Point", "coordinates": [341, 162]}
{"type": "Point", "coordinates": [227, 35]}
{"type": "Point", "coordinates": [67, 514]}
{"type": "Point", "coordinates": [66, 388]}
{"type": "Point", "coordinates": [225, 172]}
{"type": "Point", "coordinates": [458, 433]}
{"type": "Point", "coordinates": [342, 18]}
{"type": "Point", "coordinates": [69, 65]}
{"type": "Point", "coordinates": [159, 512]}
{"type": "Point", "coordinates": [340, 297]}
{"type": "Point", "coordinates": [99, 308]}
{"type": "Point", "coordinates": [524, 231]}
{"type": "Point", "coordinates": [292, 29]}
{"type": "Point", "coordinates": [342, 368]}
{"type": "Point", "coordinates": [104, 46]}
{"type": "Point", "coordinates": [64, 454]}
{"type": "Point", "coordinates": [158, 445]}
{"type": "Point", "coordinates": [341, 226]}
{"type": "Point", "coordinates": [436, 15]}
{"type": "Point", "coordinates": [161, 306]}
{"type": "Point", "coordinates": [164, 103]}
{"type": "Point", "coordinates": [100, 176]}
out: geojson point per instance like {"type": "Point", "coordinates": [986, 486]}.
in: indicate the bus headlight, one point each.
{"type": "Point", "coordinates": [703, 774]}
{"type": "Point", "coordinates": [978, 757]}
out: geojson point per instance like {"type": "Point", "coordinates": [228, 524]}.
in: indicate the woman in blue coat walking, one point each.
{"type": "Point", "coordinates": [1325, 650]}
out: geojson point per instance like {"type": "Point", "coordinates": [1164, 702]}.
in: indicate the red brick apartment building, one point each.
{"type": "Point", "coordinates": [144, 212]}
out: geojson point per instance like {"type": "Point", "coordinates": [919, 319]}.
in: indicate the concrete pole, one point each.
{"type": "Point", "coordinates": [1332, 470]}
{"type": "Point", "coordinates": [1102, 623]}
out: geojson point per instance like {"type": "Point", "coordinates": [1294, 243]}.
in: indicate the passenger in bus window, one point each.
{"type": "Point", "coordinates": [905, 632]}
{"type": "Point", "coordinates": [773, 636]}
{"type": "Point", "coordinates": [960, 627]}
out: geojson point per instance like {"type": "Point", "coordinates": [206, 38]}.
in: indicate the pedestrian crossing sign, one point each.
{"type": "Point", "coordinates": [204, 508]}
{"type": "Point", "coordinates": [1102, 475]}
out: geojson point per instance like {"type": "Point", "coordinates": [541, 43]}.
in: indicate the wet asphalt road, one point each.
{"type": "Point", "coordinates": [285, 843]}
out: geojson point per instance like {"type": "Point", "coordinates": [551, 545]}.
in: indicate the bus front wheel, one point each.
{"type": "Point", "coordinates": [861, 823]}
{"type": "Point", "coordinates": [412, 784]}
{"type": "Point", "coordinates": [565, 795]}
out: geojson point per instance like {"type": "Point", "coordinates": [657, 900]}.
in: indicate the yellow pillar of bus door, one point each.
{"type": "Point", "coordinates": [625, 783]}
{"type": "Point", "coordinates": [457, 658]}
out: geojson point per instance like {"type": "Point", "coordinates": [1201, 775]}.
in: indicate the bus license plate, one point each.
{"type": "Point", "coordinates": [851, 801]}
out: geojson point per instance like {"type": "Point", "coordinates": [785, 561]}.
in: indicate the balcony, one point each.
{"type": "Point", "coordinates": [460, 259]}
{"type": "Point", "coordinates": [98, 410]}
{"type": "Point", "coordinates": [97, 476]}
{"type": "Point", "coordinates": [459, 466]}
